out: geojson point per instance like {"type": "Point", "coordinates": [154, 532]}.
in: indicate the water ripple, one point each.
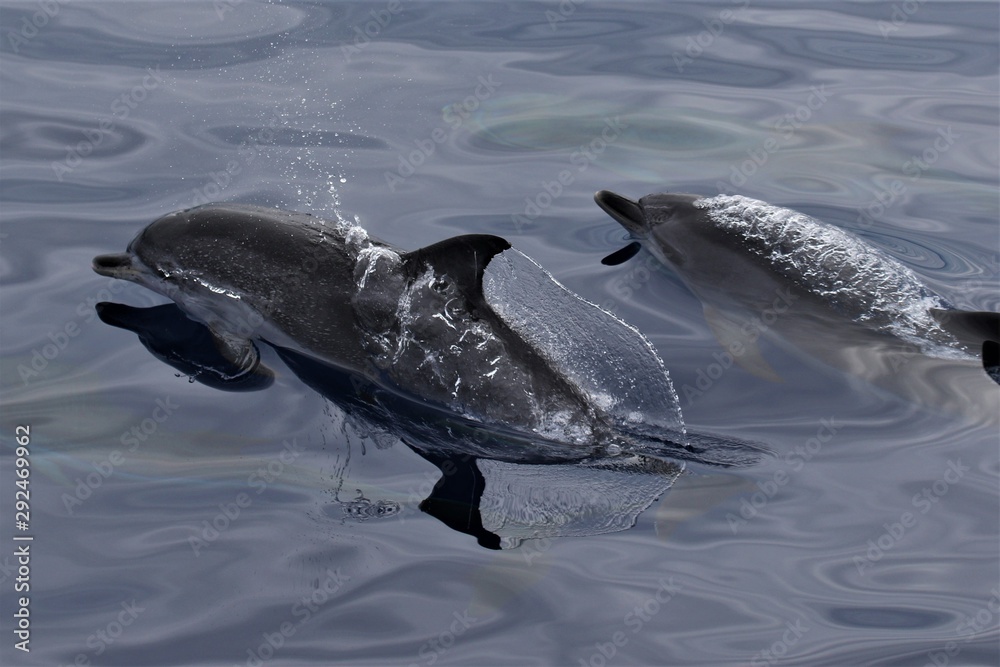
{"type": "Point", "coordinates": [793, 539]}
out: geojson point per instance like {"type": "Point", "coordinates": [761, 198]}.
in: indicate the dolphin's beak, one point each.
{"type": "Point", "coordinates": [625, 211]}
{"type": "Point", "coordinates": [115, 266]}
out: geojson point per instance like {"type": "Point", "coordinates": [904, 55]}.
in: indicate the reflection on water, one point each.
{"type": "Point", "coordinates": [491, 485]}
{"type": "Point", "coordinates": [264, 104]}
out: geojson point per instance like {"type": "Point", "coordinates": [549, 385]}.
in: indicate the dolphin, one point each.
{"type": "Point", "coordinates": [761, 269]}
{"type": "Point", "coordinates": [494, 485]}
{"type": "Point", "coordinates": [469, 325]}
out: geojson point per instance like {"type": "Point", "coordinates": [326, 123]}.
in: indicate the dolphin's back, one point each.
{"type": "Point", "coordinates": [854, 278]}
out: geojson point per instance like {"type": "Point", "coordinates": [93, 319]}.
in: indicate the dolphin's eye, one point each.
{"type": "Point", "coordinates": [440, 285]}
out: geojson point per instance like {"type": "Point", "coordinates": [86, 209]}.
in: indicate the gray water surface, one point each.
{"type": "Point", "coordinates": [502, 119]}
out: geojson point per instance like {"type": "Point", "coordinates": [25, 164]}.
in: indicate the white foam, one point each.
{"type": "Point", "coordinates": [369, 257]}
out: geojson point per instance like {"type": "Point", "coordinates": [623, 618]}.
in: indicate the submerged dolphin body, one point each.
{"type": "Point", "coordinates": [760, 268]}
{"type": "Point", "coordinates": [468, 324]}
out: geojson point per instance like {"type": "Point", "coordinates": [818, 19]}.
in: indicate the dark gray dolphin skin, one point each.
{"type": "Point", "coordinates": [327, 289]}
{"type": "Point", "coordinates": [469, 323]}
{"type": "Point", "coordinates": [761, 269]}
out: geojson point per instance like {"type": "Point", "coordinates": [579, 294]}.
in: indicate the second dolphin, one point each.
{"type": "Point", "coordinates": [758, 267]}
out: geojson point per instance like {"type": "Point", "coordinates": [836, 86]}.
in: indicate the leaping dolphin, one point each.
{"type": "Point", "coordinates": [469, 324]}
{"type": "Point", "coordinates": [495, 486]}
{"type": "Point", "coordinates": [758, 267]}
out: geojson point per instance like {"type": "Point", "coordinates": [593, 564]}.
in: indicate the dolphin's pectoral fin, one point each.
{"type": "Point", "coordinates": [241, 353]}
{"type": "Point", "coordinates": [235, 366]}
{"type": "Point", "coordinates": [623, 255]}
{"type": "Point", "coordinates": [728, 331]}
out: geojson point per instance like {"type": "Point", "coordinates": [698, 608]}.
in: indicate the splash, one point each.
{"type": "Point", "coordinates": [611, 362]}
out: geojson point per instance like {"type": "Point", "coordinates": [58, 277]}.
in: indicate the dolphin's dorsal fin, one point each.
{"type": "Point", "coordinates": [627, 212]}
{"type": "Point", "coordinates": [728, 331]}
{"type": "Point", "coordinates": [623, 255]}
{"type": "Point", "coordinates": [463, 258]}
